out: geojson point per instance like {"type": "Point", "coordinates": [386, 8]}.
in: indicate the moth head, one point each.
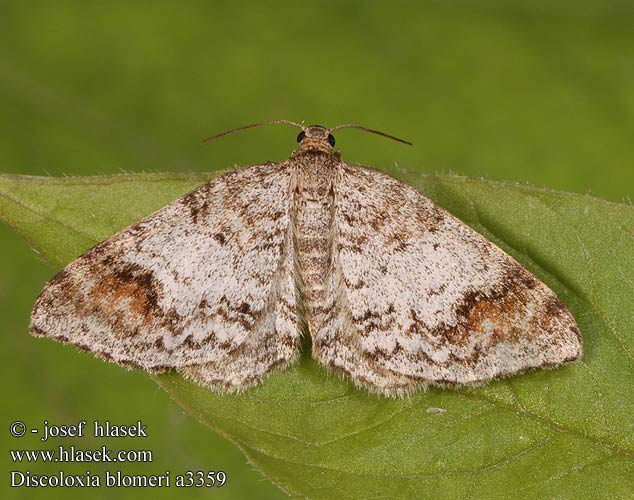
{"type": "Point", "coordinates": [315, 138]}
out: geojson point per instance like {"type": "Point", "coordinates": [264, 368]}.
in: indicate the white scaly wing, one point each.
{"type": "Point", "coordinates": [204, 285]}
{"type": "Point", "coordinates": [416, 297]}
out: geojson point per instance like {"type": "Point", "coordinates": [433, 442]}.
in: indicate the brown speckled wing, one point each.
{"type": "Point", "coordinates": [416, 297]}
{"type": "Point", "coordinates": [204, 285]}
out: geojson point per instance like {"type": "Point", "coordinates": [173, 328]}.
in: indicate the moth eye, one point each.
{"type": "Point", "coordinates": [300, 136]}
{"type": "Point", "coordinates": [331, 140]}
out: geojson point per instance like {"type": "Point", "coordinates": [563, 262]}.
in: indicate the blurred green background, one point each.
{"type": "Point", "coordinates": [539, 91]}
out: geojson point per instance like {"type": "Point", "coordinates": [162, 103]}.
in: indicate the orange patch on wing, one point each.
{"type": "Point", "coordinates": [497, 316]}
{"type": "Point", "coordinates": [130, 301]}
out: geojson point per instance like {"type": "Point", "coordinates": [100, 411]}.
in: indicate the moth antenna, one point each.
{"type": "Point", "coordinates": [377, 132]}
{"type": "Point", "coordinates": [253, 125]}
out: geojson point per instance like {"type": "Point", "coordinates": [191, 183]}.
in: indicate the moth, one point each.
{"type": "Point", "coordinates": [396, 293]}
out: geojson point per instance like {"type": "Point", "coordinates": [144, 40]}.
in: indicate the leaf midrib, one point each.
{"type": "Point", "coordinates": [37, 212]}
{"type": "Point", "coordinates": [479, 470]}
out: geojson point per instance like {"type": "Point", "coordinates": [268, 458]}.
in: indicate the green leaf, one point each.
{"type": "Point", "coordinates": [565, 433]}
